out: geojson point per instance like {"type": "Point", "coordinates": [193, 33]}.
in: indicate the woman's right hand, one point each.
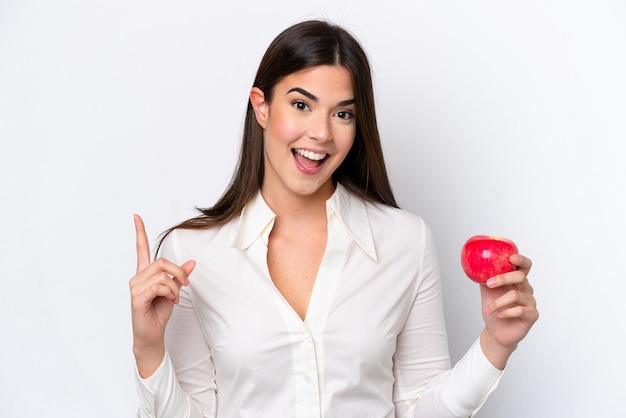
{"type": "Point", "coordinates": [154, 290]}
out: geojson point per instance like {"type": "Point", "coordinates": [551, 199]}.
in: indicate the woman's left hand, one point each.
{"type": "Point", "coordinates": [509, 311]}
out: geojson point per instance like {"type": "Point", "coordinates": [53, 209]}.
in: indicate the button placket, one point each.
{"type": "Point", "coordinates": [308, 396]}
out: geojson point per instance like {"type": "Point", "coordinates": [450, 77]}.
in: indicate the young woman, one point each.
{"type": "Point", "coordinates": [312, 294]}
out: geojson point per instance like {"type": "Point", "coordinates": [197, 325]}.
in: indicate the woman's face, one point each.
{"type": "Point", "coordinates": [309, 127]}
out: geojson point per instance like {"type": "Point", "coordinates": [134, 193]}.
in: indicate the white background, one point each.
{"type": "Point", "coordinates": [497, 117]}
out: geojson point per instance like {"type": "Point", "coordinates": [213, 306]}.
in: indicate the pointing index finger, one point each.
{"type": "Point", "coordinates": [143, 247]}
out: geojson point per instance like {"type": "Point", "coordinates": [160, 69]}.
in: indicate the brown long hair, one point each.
{"type": "Point", "coordinates": [301, 46]}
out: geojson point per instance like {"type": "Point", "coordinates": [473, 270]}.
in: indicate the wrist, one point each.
{"type": "Point", "coordinates": [148, 359]}
{"type": "Point", "coordinates": [497, 354]}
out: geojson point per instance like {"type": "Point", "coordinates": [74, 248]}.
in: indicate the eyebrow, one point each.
{"type": "Point", "coordinates": [315, 99]}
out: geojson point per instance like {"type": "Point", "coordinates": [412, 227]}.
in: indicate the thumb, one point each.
{"type": "Point", "coordinates": [188, 267]}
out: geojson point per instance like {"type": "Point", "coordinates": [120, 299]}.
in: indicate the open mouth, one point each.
{"type": "Point", "coordinates": [309, 159]}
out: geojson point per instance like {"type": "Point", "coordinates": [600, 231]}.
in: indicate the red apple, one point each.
{"type": "Point", "coordinates": [485, 256]}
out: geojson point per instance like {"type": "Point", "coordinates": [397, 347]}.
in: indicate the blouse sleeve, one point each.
{"type": "Point", "coordinates": [184, 385]}
{"type": "Point", "coordinates": [425, 384]}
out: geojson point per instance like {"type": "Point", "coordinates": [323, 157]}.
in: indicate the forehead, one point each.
{"type": "Point", "coordinates": [330, 80]}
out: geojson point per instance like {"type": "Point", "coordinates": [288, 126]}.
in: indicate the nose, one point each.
{"type": "Point", "coordinates": [320, 129]}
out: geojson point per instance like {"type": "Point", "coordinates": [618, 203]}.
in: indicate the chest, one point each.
{"type": "Point", "coordinates": [247, 303]}
{"type": "Point", "coordinates": [355, 305]}
{"type": "Point", "coordinates": [293, 262]}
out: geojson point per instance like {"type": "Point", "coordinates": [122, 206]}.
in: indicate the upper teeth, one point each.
{"type": "Point", "coordinates": [311, 155]}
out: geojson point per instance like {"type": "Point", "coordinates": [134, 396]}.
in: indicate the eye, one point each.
{"type": "Point", "coordinates": [300, 105]}
{"type": "Point", "coordinates": [345, 115]}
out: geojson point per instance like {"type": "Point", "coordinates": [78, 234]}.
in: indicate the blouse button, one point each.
{"type": "Point", "coordinates": [307, 378]}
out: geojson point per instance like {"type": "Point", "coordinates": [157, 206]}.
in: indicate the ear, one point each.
{"type": "Point", "coordinates": [260, 106]}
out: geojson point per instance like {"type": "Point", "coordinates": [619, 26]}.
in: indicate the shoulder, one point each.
{"type": "Point", "coordinates": [388, 226]}
{"type": "Point", "coordinates": [388, 219]}
{"type": "Point", "coordinates": [400, 233]}
{"type": "Point", "coordinates": [182, 244]}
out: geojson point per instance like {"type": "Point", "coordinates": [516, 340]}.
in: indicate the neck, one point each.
{"type": "Point", "coordinates": [292, 206]}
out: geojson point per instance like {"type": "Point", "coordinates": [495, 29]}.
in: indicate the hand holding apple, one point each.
{"type": "Point", "coordinates": [485, 256]}
{"type": "Point", "coordinates": [509, 307]}
{"type": "Point", "coordinates": [509, 311]}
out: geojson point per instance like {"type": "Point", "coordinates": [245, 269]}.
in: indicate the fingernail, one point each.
{"type": "Point", "coordinates": [491, 282]}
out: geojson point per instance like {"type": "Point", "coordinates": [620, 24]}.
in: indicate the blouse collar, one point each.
{"type": "Point", "coordinates": [257, 219]}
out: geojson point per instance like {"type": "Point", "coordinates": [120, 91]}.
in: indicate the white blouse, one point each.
{"type": "Point", "coordinates": [373, 343]}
